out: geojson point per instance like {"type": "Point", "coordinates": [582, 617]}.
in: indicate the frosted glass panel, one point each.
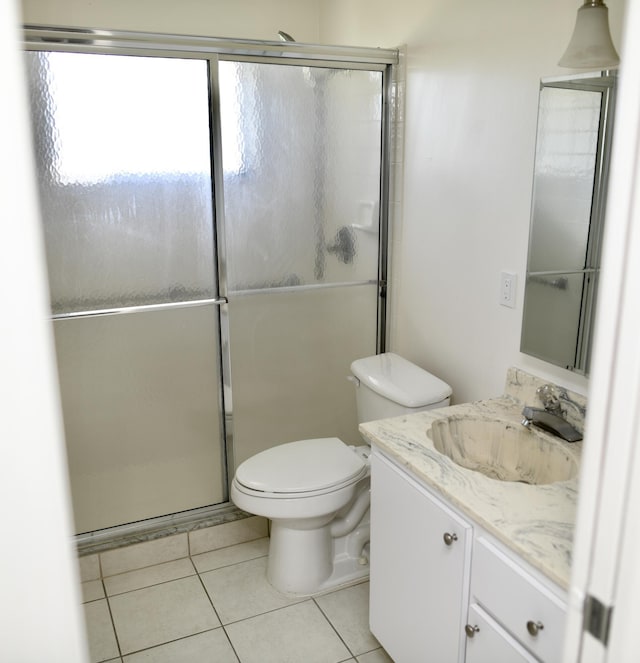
{"type": "Point", "coordinates": [551, 316]}
{"type": "Point", "coordinates": [301, 155]}
{"type": "Point", "coordinates": [290, 357]}
{"type": "Point", "coordinates": [123, 159]}
{"type": "Point", "coordinates": [568, 124]}
{"type": "Point", "coordinates": [140, 398]}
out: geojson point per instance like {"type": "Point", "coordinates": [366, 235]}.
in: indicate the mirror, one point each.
{"type": "Point", "coordinates": [575, 127]}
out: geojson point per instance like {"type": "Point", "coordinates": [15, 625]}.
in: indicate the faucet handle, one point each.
{"type": "Point", "coordinates": [549, 397]}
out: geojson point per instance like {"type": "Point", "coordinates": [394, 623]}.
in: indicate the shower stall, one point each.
{"type": "Point", "coordinates": [216, 229]}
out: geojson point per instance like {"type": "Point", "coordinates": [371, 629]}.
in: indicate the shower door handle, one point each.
{"type": "Point", "coordinates": [217, 301]}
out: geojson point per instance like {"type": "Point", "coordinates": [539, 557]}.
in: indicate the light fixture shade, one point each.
{"type": "Point", "coordinates": [591, 46]}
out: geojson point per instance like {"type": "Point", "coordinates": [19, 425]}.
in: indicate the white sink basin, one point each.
{"type": "Point", "coordinates": [502, 450]}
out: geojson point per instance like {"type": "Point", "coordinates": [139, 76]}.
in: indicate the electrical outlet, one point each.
{"type": "Point", "coordinates": [508, 289]}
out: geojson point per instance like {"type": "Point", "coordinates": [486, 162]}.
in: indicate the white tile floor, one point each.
{"type": "Point", "coordinates": [218, 607]}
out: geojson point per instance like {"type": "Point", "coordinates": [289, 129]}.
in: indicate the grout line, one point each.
{"type": "Point", "coordinates": [335, 629]}
{"type": "Point", "coordinates": [230, 564]}
{"type": "Point", "coordinates": [168, 642]}
{"type": "Point", "coordinates": [148, 566]}
{"type": "Point", "coordinates": [369, 651]}
{"type": "Point", "coordinates": [153, 584]}
{"type": "Point", "coordinates": [113, 624]}
{"type": "Point", "coordinates": [231, 545]}
{"type": "Point", "coordinates": [195, 571]}
{"type": "Point", "coordinates": [138, 568]}
{"type": "Point", "coordinates": [209, 598]}
{"type": "Point", "coordinates": [225, 566]}
{"type": "Point", "coordinates": [267, 612]}
{"type": "Point", "coordinates": [231, 644]}
{"type": "Point", "coordinates": [222, 626]}
{"type": "Point", "coordinates": [142, 568]}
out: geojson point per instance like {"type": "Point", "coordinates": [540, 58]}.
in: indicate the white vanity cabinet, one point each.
{"type": "Point", "coordinates": [420, 564]}
{"type": "Point", "coordinates": [444, 591]}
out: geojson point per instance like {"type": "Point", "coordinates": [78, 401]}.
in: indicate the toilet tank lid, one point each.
{"type": "Point", "coordinates": [399, 380]}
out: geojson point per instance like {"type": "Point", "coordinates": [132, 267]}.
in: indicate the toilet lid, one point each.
{"type": "Point", "coordinates": [300, 467]}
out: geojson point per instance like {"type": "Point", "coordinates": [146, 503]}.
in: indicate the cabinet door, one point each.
{"type": "Point", "coordinates": [490, 643]}
{"type": "Point", "coordinates": [419, 584]}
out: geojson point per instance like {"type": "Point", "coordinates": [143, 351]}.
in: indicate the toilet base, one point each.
{"type": "Point", "coordinates": [310, 562]}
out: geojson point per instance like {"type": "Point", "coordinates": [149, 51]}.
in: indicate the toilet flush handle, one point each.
{"type": "Point", "coordinates": [354, 379]}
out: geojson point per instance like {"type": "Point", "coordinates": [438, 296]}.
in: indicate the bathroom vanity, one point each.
{"type": "Point", "coordinates": [465, 566]}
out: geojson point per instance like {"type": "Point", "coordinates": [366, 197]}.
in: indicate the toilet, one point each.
{"type": "Point", "coordinates": [316, 492]}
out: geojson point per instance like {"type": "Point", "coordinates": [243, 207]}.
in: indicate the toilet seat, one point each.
{"type": "Point", "coordinates": [302, 468]}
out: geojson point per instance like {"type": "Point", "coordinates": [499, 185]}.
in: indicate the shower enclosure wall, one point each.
{"type": "Point", "coordinates": [215, 228]}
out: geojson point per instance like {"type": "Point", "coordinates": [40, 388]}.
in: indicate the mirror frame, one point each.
{"type": "Point", "coordinates": [605, 83]}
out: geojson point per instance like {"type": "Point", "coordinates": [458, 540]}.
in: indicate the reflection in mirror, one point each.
{"type": "Point", "coordinates": [575, 125]}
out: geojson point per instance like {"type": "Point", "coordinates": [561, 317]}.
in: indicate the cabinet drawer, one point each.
{"type": "Point", "coordinates": [518, 601]}
{"type": "Point", "coordinates": [490, 643]}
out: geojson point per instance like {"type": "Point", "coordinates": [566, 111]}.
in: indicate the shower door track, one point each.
{"type": "Point", "coordinates": [100, 41]}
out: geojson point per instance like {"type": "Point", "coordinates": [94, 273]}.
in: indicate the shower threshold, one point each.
{"type": "Point", "coordinates": [157, 528]}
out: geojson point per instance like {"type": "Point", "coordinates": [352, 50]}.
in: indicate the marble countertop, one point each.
{"type": "Point", "coordinates": [535, 521]}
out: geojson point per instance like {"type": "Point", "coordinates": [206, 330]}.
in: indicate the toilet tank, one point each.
{"type": "Point", "coordinates": [389, 386]}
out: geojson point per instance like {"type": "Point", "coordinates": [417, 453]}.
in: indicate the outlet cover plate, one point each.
{"type": "Point", "coordinates": [508, 282]}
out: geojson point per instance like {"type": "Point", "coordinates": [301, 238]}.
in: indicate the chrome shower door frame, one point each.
{"type": "Point", "coordinates": [211, 49]}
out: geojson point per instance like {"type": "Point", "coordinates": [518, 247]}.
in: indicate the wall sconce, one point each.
{"type": "Point", "coordinates": [591, 46]}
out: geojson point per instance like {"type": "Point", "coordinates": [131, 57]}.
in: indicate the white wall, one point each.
{"type": "Point", "coordinates": [471, 102]}
{"type": "Point", "coordinates": [40, 597]}
{"type": "Point", "coordinates": [247, 19]}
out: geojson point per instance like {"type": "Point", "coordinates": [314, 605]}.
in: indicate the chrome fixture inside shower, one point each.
{"type": "Point", "coordinates": [284, 36]}
{"type": "Point", "coordinates": [344, 245]}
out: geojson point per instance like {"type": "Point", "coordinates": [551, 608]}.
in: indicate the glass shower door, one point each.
{"type": "Point", "coordinates": [123, 157]}
{"type": "Point", "coordinates": [123, 149]}
{"type": "Point", "coordinates": [301, 151]}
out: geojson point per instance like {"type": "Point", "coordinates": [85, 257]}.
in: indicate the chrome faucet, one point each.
{"type": "Point", "coordinates": [550, 418]}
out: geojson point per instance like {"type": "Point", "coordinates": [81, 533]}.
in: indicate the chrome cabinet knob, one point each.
{"type": "Point", "coordinates": [449, 538]}
{"type": "Point", "coordinates": [534, 627]}
{"type": "Point", "coordinates": [471, 630]}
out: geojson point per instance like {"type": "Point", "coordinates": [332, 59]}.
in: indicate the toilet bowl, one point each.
{"type": "Point", "coordinates": [316, 492]}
